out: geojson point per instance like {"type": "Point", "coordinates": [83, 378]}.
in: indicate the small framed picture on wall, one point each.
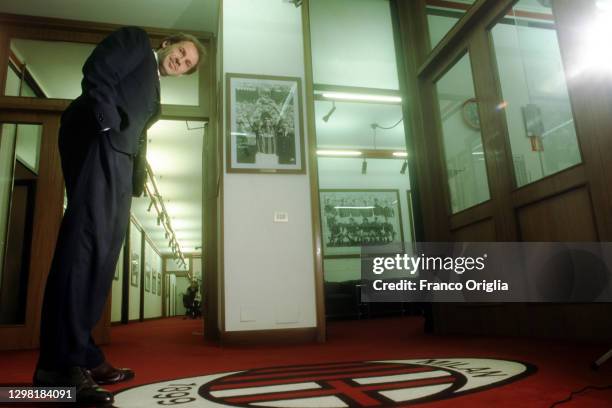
{"type": "Point", "coordinates": [147, 277]}
{"type": "Point", "coordinates": [159, 278]}
{"type": "Point", "coordinates": [134, 269]}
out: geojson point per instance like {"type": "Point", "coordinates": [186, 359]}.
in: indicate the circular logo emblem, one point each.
{"type": "Point", "coordinates": [390, 383]}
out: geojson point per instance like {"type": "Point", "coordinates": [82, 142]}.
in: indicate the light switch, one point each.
{"type": "Point", "coordinates": [280, 216]}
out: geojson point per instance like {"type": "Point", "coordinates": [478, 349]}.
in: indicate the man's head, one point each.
{"type": "Point", "coordinates": [180, 54]}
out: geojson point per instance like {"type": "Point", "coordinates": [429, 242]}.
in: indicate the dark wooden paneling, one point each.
{"type": "Point", "coordinates": [277, 337]}
{"type": "Point", "coordinates": [47, 217]}
{"type": "Point", "coordinates": [492, 319]}
{"type": "Point", "coordinates": [565, 217]}
{"type": "Point", "coordinates": [471, 215]}
{"type": "Point", "coordinates": [587, 322]}
{"type": "Point", "coordinates": [483, 231]}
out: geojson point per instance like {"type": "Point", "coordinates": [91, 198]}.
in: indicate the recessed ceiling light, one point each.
{"type": "Point", "coordinates": [339, 153]}
{"type": "Point", "coordinates": [361, 97]}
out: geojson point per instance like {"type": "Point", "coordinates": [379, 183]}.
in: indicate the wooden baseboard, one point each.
{"type": "Point", "coordinates": [276, 337]}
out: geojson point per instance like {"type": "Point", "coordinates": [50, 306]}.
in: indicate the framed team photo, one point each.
{"type": "Point", "coordinates": [264, 124]}
{"type": "Point", "coordinates": [353, 219]}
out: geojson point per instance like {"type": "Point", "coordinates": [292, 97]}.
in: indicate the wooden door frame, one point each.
{"type": "Point", "coordinates": [47, 216]}
{"type": "Point", "coordinates": [54, 29]}
{"type": "Point", "coordinates": [591, 102]}
{"type": "Point", "coordinates": [424, 67]}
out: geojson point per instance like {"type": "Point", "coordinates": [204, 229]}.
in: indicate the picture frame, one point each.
{"type": "Point", "coordinates": [134, 269]}
{"type": "Point", "coordinates": [352, 219]}
{"type": "Point", "coordinates": [265, 131]}
{"type": "Point", "coordinates": [147, 277]}
{"type": "Point", "coordinates": [154, 284]}
{"type": "Point", "coordinates": [159, 278]}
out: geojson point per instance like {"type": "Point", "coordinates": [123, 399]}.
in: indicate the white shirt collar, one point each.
{"type": "Point", "coordinates": [157, 62]}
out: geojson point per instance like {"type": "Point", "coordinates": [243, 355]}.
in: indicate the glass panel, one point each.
{"type": "Point", "coordinates": [181, 90]}
{"type": "Point", "coordinates": [49, 76]}
{"type": "Point", "coordinates": [349, 125]}
{"type": "Point", "coordinates": [27, 149]}
{"type": "Point", "coordinates": [465, 163]}
{"type": "Point", "coordinates": [353, 54]}
{"type": "Point", "coordinates": [19, 152]}
{"type": "Point", "coordinates": [174, 153]}
{"type": "Point", "coordinates": [442, 17]}
{"type": "Point", "coordinates": [538, 111]}
{"type": "Point", "coordinates": [355, 34]}
{"type": "Point", "coordinates": [134, 271]}
{"type": "Point", "coordinates": [52, 76]}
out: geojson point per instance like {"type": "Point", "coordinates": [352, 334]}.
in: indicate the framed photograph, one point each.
{"type": "Point", "coordinates": [159, 283]}
{"type": "Point", "coordinates": [154, 284]}
{"type": "Point", "coordinates": [134, 269]}
{"type": "Point", "coordinates": [264, 124]}
{"type": "Point", "coordinates": [355, 218]}
{"type": "Point", "coordinates": [147, 277]}
{"type": "Point", "coordinates": [136, 255]}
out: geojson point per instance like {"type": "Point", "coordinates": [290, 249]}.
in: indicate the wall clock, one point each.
{"type": "Point", "coordinates": [469, 110]}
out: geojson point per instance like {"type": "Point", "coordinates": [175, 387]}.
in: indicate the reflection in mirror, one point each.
{"type": "Point", "coordinates": [52, 69]}
{"type": "Point", "coordinates": [19, 156]}
{"type": "Point", "coordinates": [462, 140]}
{"type": "Point", "coordinates": [359, 35]}
{"type": "Point", "coordinates": [174, 154]}
{"type": "Point", "coordinates": [350, 125]}
{"type": "Point", "coordinates": [537, 105]}
{"type": "Point", "coordinates": [358, 113]}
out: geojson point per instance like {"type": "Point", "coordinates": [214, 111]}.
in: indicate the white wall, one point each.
{"type": "Point", "coordinates": [117, 294]}
{"type": "Point", "coordinates": [134, 304]}
{"type": "Point", "coordinates": [269, 271]}
{"type": "Point", "coordinates": [152, 302]}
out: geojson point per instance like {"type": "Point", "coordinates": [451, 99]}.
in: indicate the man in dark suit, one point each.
{"type": "Point", "coordinates": [102, 147]}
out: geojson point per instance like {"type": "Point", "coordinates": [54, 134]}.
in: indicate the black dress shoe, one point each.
{"type": "Point", "coordinates": [87, 391]}
{"type": "Point", "coordinates": [107, 374]}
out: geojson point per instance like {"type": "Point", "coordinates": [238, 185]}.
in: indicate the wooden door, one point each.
{"type": "Point", "coordinates": [570, 201]}
{"type": "Point", "coordinates": [39, 235]}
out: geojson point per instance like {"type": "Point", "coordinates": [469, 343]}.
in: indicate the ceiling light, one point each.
{"type": "Point", "coordinates": [331, 111]}
{"type": "Point", "coordinates": [339, 153]}
{"type": "Point", "coordinates": [400, 154]}
{"type": "Point", "coordinates": [361, 97]}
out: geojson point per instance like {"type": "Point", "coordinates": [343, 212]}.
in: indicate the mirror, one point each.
{"type": "Point", "coordinates": [19, 158]}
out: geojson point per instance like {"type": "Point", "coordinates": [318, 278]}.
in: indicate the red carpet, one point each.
{"type": "Point", "coordinates": [173, 348]}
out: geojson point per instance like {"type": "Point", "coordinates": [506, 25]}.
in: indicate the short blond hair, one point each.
{"type": "Point", "coordinates": [202, 53]}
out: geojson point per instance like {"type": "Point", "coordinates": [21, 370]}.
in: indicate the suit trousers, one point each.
{"type": "Point", "coordinates": [99, 190]}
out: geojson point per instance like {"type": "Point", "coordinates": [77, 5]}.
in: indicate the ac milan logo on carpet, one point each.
{"type": "Point", "coordinates": [390, 383]}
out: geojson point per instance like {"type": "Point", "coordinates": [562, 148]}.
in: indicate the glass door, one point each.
{"type": "Point", "coordinates": [31, 190]}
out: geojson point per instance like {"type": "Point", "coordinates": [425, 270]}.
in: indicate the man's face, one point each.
{"type": "Point", "coordinates": [178, 58]}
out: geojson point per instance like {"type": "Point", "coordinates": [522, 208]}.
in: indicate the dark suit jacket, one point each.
{"type": "Point", "coordinates": [120, 92]}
